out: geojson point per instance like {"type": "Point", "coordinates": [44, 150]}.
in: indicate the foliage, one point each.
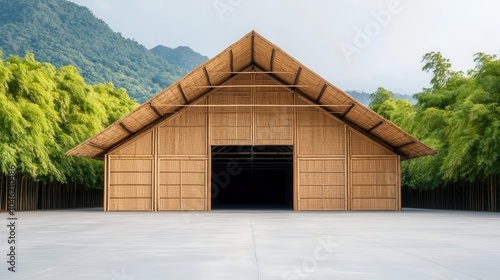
{"type": "Point", "coordinates": [63, 33]}
{"type": "Point", "coordinates": [459, 116]}
{"type": "Point", "coordinates": [46, 111]}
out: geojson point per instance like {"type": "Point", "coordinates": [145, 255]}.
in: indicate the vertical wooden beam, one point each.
{"type": "Point", "coordinates": [208, 191]}
{"type": "Point", "coordinates": [297, 76]}
{"type": "Point", "coordinates": [296, 202]}
{"type": "Point", "coordinates": [398, 187]}
{"type": "Point", "coordinates": [253, 113]}
{"type": "Point", "coordinates": [320, 95]}
{"type": "Point", "coordinates": [375, 126]}
{"type": "Point", "coordinates": [156, 170]}
{"type": "Point", "coordinates": [155, 110]}
{"type": "Point", "coordinates": [106, 181]}
{"type": "Point", "coordinates": [347, 111]}
{"type": "Point", "coordinates": [271, 62]}
{"type": "Point", "coordinates": [107, 172]}
{"type": "Point", "coordinates": [231, 61]}
{"type": "Point", "coordinates": [253, 48]}
{"type": "Point", "coordinates": [207, 76]}
{"type": "Point", "coordinates": [348, 167]}
{"type": "Point", "coordinates": [125, 128]}
{"type": "Point", "coordinates": [182, 93]}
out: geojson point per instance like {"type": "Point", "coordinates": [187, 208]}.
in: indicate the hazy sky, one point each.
{"type": "Point", "coordinates": [355, 44]}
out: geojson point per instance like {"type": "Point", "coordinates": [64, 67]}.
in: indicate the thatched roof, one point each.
{"type": "Point", "coordinates": [254, 50]}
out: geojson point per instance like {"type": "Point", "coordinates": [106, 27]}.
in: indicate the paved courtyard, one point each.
{"type": "Point", "coordinates": [237, 244]}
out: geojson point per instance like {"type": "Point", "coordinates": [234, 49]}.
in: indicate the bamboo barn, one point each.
{"type": "Point", "coordinates": [252, 126]}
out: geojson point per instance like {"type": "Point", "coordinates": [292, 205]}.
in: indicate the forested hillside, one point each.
{"type": "Point", "coordinates": [182, 56]}
{"type": "Point", "coordinates": [459, 116]}
{"type": "Point", "coordinates": [45, 111]}
{"type": "Point", "coordinates": [63, 33]}
{"type": "Point", "coordinates": [364, 97]}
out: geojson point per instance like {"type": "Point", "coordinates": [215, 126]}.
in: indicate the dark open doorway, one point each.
{"type": "Point", "coordinates": [252, 177]}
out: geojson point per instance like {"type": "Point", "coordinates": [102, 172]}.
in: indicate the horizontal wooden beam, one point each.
{"type": "Point", "coordinates": [254, 72]}
{"type": "Point", "coordinates": [254, 86]}
{"type": "Point", "coordinates": [250, 105]}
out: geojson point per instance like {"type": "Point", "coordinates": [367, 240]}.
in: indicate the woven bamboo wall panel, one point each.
{"type": "Point", "coordinates": [129, 204]}
{"type": "Point", "coordinates": [319, 135]}
{"type": "Point", "coordinates": [130, 184]}
{"type": "Point", "coordinates": [130, 165]}
{"type": "Point", "coordinates": [169, 204]}
{"type": "Point", "coordinates": [374, 178]}
{"type": "Point", "coordinates": [374, 204]}
{"type": "Point", "coordinates": [182, 141]}
{"type": "Point", "coordinates": [142, 145]}
{"type": "Point", "coordinates": [190, 178]}
{"type": "Point", "coordinates": [322, 204]}
{"type": "Point", "coordinates": [194, 165]}
{"type": "Point", "coordinates": [130, 191]}
{"type": "Point", "coordinates": [125, 178]}
{"type": "Point", "coordinates": [374, 165]}
{"type": "Point", "coordinates": [182, 184]}
{"type": "Point", "coordinates": [321, 184]}
{"type": "Point", "coordinates": [375, 183]}
{"type": "Point", "coordinates": [313, 191]}
{"type": "Point", "coordinates": [334, 204]}
{"type": "Point", "coordinates": [169, 190]}
{"type": "Point", "coordinates": [273, 126]}
{"type": "Point", "coordinates": [193, 204]}
{"type": "Point", "coordinates": [318, 165]}
{"type": "Point", "coordinates": [374, 191]}
{"type": "Point", "coordinates": [360, 145]}
{"type": "Point", "coordinates": [170, 165]}
{"type": "Point", "coordinates": [231, 125]}
{"type": "Point", "coordinates": [236, 135]}
{"type": "Point", "coordinates": [334, 192]}
{"type": "Point", "coordinates": [193, 191]}
{"type": "Point", "coordinates": [170, 178]}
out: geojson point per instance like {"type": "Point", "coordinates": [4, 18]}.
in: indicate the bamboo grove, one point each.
{"type": "Point", "coordinates": [459, 116]}
{"type": "Point", "coordinates": [45, 111]}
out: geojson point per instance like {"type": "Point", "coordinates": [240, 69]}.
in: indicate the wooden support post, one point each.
{"type": "Point", "coordinates": [182, 93]}
{"type": "Point", "coordinates": [297, 76]}
{"type": "Point", "coordinates": [155, 110]}
{"type": "Point", "coordinates": [231, 61]}
{"type": "Point", "coordinates": [207, 76]}
{"type": "Point", "coordinates": [375, 126]}
{"type": "Point", "coordinates": [271, 61]}
{"type": "Point", "coordinates": [320, 95]}
{"type": "Point", "coordinates": [347, 111]}
{"type": "Point", "coordinates": [125, 128]}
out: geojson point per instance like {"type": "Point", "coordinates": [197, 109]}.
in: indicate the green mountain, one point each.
{"type": "Point", "coordinates": [364, 97]}
{"type": "Point", "coordinates": [181, 56]}
{"type": "Point", "coordinates": [64, 33]}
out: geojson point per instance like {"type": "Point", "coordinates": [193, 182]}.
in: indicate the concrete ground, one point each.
{"type": "Point", "coordinates": [230, 244]}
